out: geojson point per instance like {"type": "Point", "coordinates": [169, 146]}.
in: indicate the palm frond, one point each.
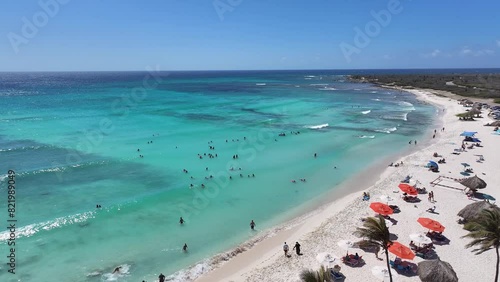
{"type": "Point", "coordinates": [309, 275]}
{"type": "Point", "coordinates": [375, 231]}
{"type": "Point", "coordinates": [484, 230]}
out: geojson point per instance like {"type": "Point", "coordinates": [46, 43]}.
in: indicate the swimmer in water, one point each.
{"type": "Point", "coordinates": [181, 221]}
{"type": "Point", "coordinates": [185, 247]}
{"type": "Point", "coordinates": [117, 270]}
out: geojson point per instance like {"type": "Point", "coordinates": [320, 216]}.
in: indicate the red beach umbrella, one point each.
{"type": "Point", "coordinates": [381, 208]}
{"type": "Point", "coordinates": [431, 224]}
{"type": "Point", "coordinates": [410, 190]}
{"type": "Point", "coordinates": [401, 251]}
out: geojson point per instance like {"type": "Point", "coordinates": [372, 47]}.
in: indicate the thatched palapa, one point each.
{"type": "Point", "coordinates": [436, 271]}
{"type": "Point", "coordinates": [473, 210]}
{"type": "Point", "coordinates": [473, 183]}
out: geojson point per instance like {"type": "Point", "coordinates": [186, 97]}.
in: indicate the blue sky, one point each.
{"type": "Point", "coordinates": [247, 34]}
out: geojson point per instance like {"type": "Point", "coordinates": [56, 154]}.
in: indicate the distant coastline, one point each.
{"type": "Point", "coordinates": [472, 85]}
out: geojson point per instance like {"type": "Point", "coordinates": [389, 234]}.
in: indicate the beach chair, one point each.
{"type": "Point", "coordinates": [403, 268]}
{"type": "Point", "coordinates": [336, 275]}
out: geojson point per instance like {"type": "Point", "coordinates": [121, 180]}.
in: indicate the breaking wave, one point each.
{"type": "Point", "coordinates": [387, 130]}
{"type": "Point", "coordinates": [318, 126]}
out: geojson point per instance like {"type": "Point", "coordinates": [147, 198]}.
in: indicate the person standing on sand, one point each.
{"type": "Point", "coordinates": [297, 248]}
{"type": "Point", "coordinates": [252, 224]}
{"type": "Point", "coordinates": [285, 249]}
{"type": "Point", "coordinates": [161, 277]}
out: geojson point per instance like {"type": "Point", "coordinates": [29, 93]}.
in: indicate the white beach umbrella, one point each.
{"type": "Point", "coordinates": [327, 259]}
{"type": "Point", "coordinates": [420, 238]}
{"type": "Point", "coordinates": [382, 273]}
{"type": "Point", "coordinates": [346, 244]}
{"type": "Point", "coordinates": [388, 223]}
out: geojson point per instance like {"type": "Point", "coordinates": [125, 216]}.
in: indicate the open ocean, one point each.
{"type": "Point", "coordinates": [73, 139]}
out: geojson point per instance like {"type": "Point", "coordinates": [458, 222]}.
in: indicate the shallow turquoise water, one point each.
{"type": "Point", "coordinates": [72, 139]}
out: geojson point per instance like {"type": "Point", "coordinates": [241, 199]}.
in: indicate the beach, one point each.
{"type": "Point", "coordinates": [321, 230]}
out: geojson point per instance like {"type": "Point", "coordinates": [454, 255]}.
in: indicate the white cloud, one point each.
{"type": "Point", "coordinates": [432, 54]}
{"type": "Point", "coordinates": [466, 51]}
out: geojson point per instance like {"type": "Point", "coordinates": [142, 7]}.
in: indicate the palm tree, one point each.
{"type": "Point", "coordinates": [375, 231]}
{"type": "Point", "coordinates": [309, 275]}
{"type": "Point", "coordinates": [485, 232]}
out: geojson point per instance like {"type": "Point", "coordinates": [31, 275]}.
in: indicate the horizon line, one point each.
{"type": "Point", "coordinates": [241, 70]}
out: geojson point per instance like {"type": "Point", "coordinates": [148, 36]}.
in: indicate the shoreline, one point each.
{"type": "Point", "coordinates": [228, 265]}
{"type": "Point", "coordinates": [341, 217]}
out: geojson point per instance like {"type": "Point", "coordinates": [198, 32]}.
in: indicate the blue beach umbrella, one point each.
{"type": "Point", "coordinates": [433, 164]}
{"type": "Point", "coordinates": [468, 133]}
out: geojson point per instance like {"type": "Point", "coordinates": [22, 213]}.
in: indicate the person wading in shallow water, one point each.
{"type": "Point", "coordinates": [161, 277]}
{"type": "Point", "coordinates": [252, 224]}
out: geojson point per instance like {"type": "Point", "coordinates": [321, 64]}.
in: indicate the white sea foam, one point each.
{"type": "Point", "coordinates": [366, 112]}
{"type": "Point", "coordinates": [376, 100]}
{"type": "Point", "coordinates": [124, 271]}
{"type": "Point", "coordinates": [406, 105]}
{"type": "Point", "coordinates": [260, 84]}
{"type": "Point", "coordinates": [327, 89]}
{"type": "Point", "coordinates": [310, 76]}
{"type": "Point", "coordinates": [318, 84]}
{"type": "Point", "coordinates": [373, 91]}
{"type": "Point", "coordinates": [32, 229]}
{"type": "Point", "coordinates": [387, 130]}
{"type": "Point", "coordinates": [190, 274]}
{"type": "Point", "coordinates": [402, 116]}
{"type": "Point", "coordinates": [366, 136]}
{"type": "Point", "coordinates": [318, 126]}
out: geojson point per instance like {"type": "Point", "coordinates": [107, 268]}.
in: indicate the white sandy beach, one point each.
{"type": "Point", "coordinates": [320, 231]}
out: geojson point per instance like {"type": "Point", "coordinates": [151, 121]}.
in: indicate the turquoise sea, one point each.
{"type": "Point", "coordinates": [73, 140]}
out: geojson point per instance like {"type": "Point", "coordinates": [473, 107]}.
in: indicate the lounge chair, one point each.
{"type": "Point", "coordinates": [336, 275]}
{"type": "Point", "coordinates": [403, 268]}
{"type": "Point", "coordinates": [351, 261]}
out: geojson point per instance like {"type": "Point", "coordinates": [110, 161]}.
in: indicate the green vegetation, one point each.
{"type": "Point", "coordinates": [468, 85]}
{"type": "Point", "coordinates": [497, 100]}
{"type": "Point", "coordinates": [485, 232]}
{"type": "Point", "coordinates": [375, 231]}
{"type": "Point", "coordinates": [309, 275]}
